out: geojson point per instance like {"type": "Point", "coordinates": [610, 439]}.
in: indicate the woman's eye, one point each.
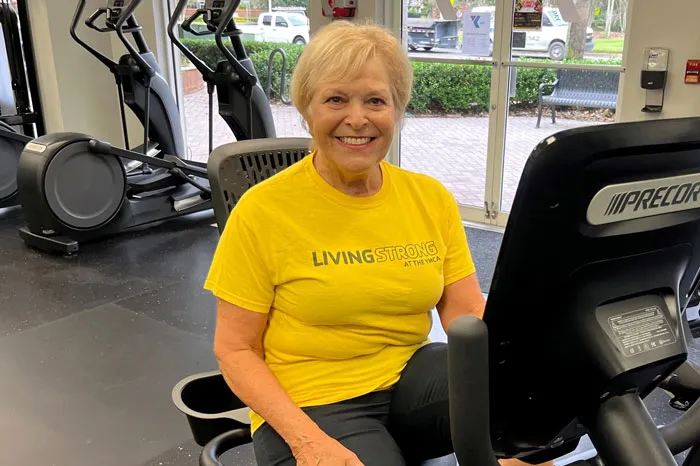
{"type": "Point", "coordinates": [335, 100]}
{"type": "Point", "coordinates": [376, 101]}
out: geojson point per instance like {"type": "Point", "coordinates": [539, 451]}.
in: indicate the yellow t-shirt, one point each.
{"type": "Point", "coordinates": [348, 282]}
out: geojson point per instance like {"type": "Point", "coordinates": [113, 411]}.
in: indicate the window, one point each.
{"type": "Point", "coordinates": [260, 44]}
{"type": "Point", "coordinates": [475, 117]}
{"type": "Point", "coordinates": [298, 20]}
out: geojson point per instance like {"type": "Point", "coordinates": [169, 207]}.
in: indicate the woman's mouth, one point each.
{"type": "Point", "coordinates": [355, 143]}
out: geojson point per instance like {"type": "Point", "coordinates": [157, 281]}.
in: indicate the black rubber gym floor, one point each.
{"type": "Point", "coordinates": [91, 345]}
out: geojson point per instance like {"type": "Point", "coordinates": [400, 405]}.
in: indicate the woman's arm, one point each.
{"type": "Point", "coordinates": [238, 348]}
{"type": "Point", "coordinates": [462, 297]}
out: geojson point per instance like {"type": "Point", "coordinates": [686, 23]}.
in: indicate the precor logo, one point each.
{"type": "Point", "coordinates": [653, 198]}
{"type": "Point", "coordinates": [644, 199]}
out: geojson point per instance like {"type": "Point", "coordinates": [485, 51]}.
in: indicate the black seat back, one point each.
{"type": "Point", "coordinates": [235, 167]}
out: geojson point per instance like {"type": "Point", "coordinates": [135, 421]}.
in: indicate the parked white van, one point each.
{"type": "Point", "coordinates": [551, 39]}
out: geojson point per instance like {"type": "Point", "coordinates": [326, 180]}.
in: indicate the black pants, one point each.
{"type": "Point", "coordinates": [402, 426]}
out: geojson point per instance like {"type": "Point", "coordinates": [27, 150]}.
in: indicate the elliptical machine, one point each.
{"type": "Point", "coordinates": [27, 113]}
{"type": "Point", "coordinates": [242, 102]}
{"type": "Point", "coordinates": [74, 188]}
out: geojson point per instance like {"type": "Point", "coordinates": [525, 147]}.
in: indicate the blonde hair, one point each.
{"type": "Point", "coordinates": [340, 50]}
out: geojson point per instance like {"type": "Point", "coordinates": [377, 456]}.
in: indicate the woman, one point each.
{"type": "Point", "coordinates": [327, 272]}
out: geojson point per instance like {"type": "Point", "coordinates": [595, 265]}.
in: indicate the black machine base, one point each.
{"type": "Point", "coordinates": [9, 201]}
{"type": "Point", "coordinates": [136, 215]}
{"type": "Point", "coordinates": [55, 244]}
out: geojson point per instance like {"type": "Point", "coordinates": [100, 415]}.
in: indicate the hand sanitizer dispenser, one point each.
{"type": "Point", "coordinates": [653, 78]}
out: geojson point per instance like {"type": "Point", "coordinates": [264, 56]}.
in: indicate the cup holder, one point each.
{"type": "Point", "coordinates": [210, 406]}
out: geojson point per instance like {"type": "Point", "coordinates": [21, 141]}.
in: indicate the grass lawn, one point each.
{"type": "Point", "coordinates": [608, 45]}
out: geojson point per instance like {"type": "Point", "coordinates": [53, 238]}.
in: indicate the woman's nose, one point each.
{"type": "Point", "coordinates": [357, 115]}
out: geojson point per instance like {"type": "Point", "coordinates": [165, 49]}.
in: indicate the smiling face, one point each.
{"type": "Point", "coordinates": [353, 120]}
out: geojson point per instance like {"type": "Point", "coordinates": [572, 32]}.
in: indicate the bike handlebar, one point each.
{"type": "Point", "coordinates": [222, 443]}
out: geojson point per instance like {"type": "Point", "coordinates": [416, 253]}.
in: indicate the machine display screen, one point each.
{"type": "Point", "coordinates": [219, 4]}
{"type": "Point", "coordinates": [119, 3]}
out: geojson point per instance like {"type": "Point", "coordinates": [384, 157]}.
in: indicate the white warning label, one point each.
{"type": "Point", "coordinates": [641, 331]}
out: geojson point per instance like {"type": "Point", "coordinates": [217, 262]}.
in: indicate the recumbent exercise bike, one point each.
{"type": "Point", "coordinates": [593, 278]}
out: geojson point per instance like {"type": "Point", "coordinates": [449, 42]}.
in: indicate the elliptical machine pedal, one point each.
{"type": "Point", "coordinates": [46, 242]}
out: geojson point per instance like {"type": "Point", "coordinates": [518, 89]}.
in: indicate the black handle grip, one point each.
{"type": "Point", "coordinates": [90, 22]}
{"type": "Point", "coordinates": [196, 61]}
{"type": "Point", "coordinates": [187, 23]}
{"type": "Point", "coordinates": [119, 27]}
{"type": "Point", "coordinates": [221, 444]}
{"type": "Point", "coordinates": [468, 359]}
{"type": "Point", "coordinates": [109, 63]}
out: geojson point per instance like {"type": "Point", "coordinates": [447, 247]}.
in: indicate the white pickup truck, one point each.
{"type": "Point", "coordinates": [290, 28]}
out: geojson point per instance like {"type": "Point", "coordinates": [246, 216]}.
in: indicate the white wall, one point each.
{"type": "Point", "coordinates": [78, 92]}
{"type": "Point", "coordinates": [673, 25]}
{"type": "Point", "coordinates": [73, 84]}
{"type": "Point", "coordinates": [367, 9]}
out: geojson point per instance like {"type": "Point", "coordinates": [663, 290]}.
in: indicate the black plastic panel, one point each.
{"type": "Point", "coordinates": [564, 289]}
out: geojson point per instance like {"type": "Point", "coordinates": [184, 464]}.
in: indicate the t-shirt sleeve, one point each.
{"type": "Point", "coordinates": [458, 259]}
{"type": "Point", "coordinates": [240, 272]}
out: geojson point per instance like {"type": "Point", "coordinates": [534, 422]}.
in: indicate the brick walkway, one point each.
{"type": "Point", "coordinates": [451, 149]}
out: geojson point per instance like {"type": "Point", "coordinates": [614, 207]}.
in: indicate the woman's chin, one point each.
{"type": "Point", "coordinates": [358, 163]}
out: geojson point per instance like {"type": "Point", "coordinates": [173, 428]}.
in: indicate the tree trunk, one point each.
{"type": "Point", "coordinates": [609, 16]}
{"type": "Point", "coordinates": [435, 9]}
{"type": "Point", "coordinates": [576, 42]}
{"type": "Point", "coordinates": [623, 15]}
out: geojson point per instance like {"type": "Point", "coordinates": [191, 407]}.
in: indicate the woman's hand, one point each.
{"type": "Point", "coordinates": [324, 450]}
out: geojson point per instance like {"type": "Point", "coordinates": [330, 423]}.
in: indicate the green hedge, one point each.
{"type": "Point", "coordinates": [259, 53]}
{"type": "Point", "coordinates": [438, 87]}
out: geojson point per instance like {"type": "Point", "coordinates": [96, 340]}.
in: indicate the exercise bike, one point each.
{"type": "Point", "coordinates": [570, 344]}
{"type": "Point", "coordinates": [18, 48]}
{"type": "Point", "coordinates": [74, 188]}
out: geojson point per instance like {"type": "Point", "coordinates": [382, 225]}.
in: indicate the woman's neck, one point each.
{"type": "Point", "coordinates": [353, 184]}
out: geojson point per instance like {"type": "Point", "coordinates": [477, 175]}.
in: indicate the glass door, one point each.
{"type": "Point", "coordinates": [448, 128]}
{"type": "Point", "coordinates": [493, 78]}
{"type": "Point", "coordinates": [562, 74]}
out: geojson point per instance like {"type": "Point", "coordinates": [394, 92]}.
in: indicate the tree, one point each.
{"type": "Point", "coordinates": [293, 3]}
{"type": "Point", "coordinates": [576, 42]}
{"type": "Point", "coordinates": [609, 16]}
{"type": "Point", "coordinates": [623, 14]}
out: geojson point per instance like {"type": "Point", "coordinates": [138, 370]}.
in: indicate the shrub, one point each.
{"type": "Point", "coordinates": [259, 53]}
{"type": "Point", "coordinates": [438, 87]}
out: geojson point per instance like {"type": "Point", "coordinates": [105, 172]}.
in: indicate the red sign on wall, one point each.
{"type": "Point", "coordinates": [692, 72]}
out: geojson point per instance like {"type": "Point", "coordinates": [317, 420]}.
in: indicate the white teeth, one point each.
{"type": "Point", "coordinates": [355, 141]}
